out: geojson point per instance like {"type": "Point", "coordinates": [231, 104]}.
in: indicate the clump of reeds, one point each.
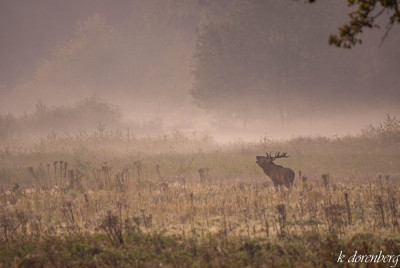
{"type": "Point", "coordinates": [112, 226]}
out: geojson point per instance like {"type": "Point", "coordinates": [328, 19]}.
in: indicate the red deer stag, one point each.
{"type": "Point", "coordinates": [278, 174]}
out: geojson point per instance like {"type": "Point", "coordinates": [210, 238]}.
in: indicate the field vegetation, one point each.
{"type": "Point", "coordinates": [111, 198]}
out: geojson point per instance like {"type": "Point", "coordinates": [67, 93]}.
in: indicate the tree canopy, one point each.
{"type": "Point", "coordinates": [365, 16]}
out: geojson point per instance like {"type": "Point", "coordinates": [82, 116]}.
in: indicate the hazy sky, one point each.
{"type": "Point", "coordinates": [139, 55]}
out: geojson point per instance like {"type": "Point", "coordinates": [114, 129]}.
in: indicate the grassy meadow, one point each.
{"type": "Point", "coordinates": [111, 198]}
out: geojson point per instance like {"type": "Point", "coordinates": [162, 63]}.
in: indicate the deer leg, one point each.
{"type": "Point", "coordinates": [288, 184]}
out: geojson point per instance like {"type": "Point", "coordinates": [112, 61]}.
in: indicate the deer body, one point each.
{"type": "Point", "coordinates": [278, 174]}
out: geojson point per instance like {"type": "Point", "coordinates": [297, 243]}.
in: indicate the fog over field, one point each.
{"type": "Point", "coordinates": [229, 69]}
{"type": "Point", "coordinates": [199, 133]}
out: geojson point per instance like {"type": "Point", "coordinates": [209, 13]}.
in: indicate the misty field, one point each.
{"type": "Point", "coordinates": [113, 199]}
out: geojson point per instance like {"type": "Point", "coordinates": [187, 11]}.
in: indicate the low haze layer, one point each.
{"type": "Point", "coordinates": [231, 69]}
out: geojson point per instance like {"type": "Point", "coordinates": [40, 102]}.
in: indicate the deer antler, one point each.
{"type": "Point", "coordinates": [283, 155]}
{"type": "Point", "coordinates": [269, 156]}
{"type": "Point", "coordinates": [277, 155]}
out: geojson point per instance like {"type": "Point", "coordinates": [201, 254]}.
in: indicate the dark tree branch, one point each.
{"type": "Point", "coordinates": [362, 18]}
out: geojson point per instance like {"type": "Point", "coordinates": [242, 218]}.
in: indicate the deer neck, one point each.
{"type": "Point", "coordinates": [269, 167]}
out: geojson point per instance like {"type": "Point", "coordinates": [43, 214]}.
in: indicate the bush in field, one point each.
{"type": "Point", "coordinates": [87, 114]}
{"type": "Point", "coordinates": [387, 132]}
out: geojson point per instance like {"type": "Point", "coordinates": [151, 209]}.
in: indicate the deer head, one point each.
{"type": "Point", "coordinates": [278, 174]}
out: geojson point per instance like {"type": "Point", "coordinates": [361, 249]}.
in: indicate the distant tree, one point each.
{"type": "Point", "coordinates": [363, 17]}
{"type": "Point", "coordinates": [255, 64]}
{"type": "Point", "coordinates": [84, 115]}
{"type": "Point", "coordinates": [137, 56]}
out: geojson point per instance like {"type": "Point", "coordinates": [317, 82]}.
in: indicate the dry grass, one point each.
{"type": "Point", "coordinates": [117, 190]}
{"type": "Point", "coordinates": [230, 208]}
